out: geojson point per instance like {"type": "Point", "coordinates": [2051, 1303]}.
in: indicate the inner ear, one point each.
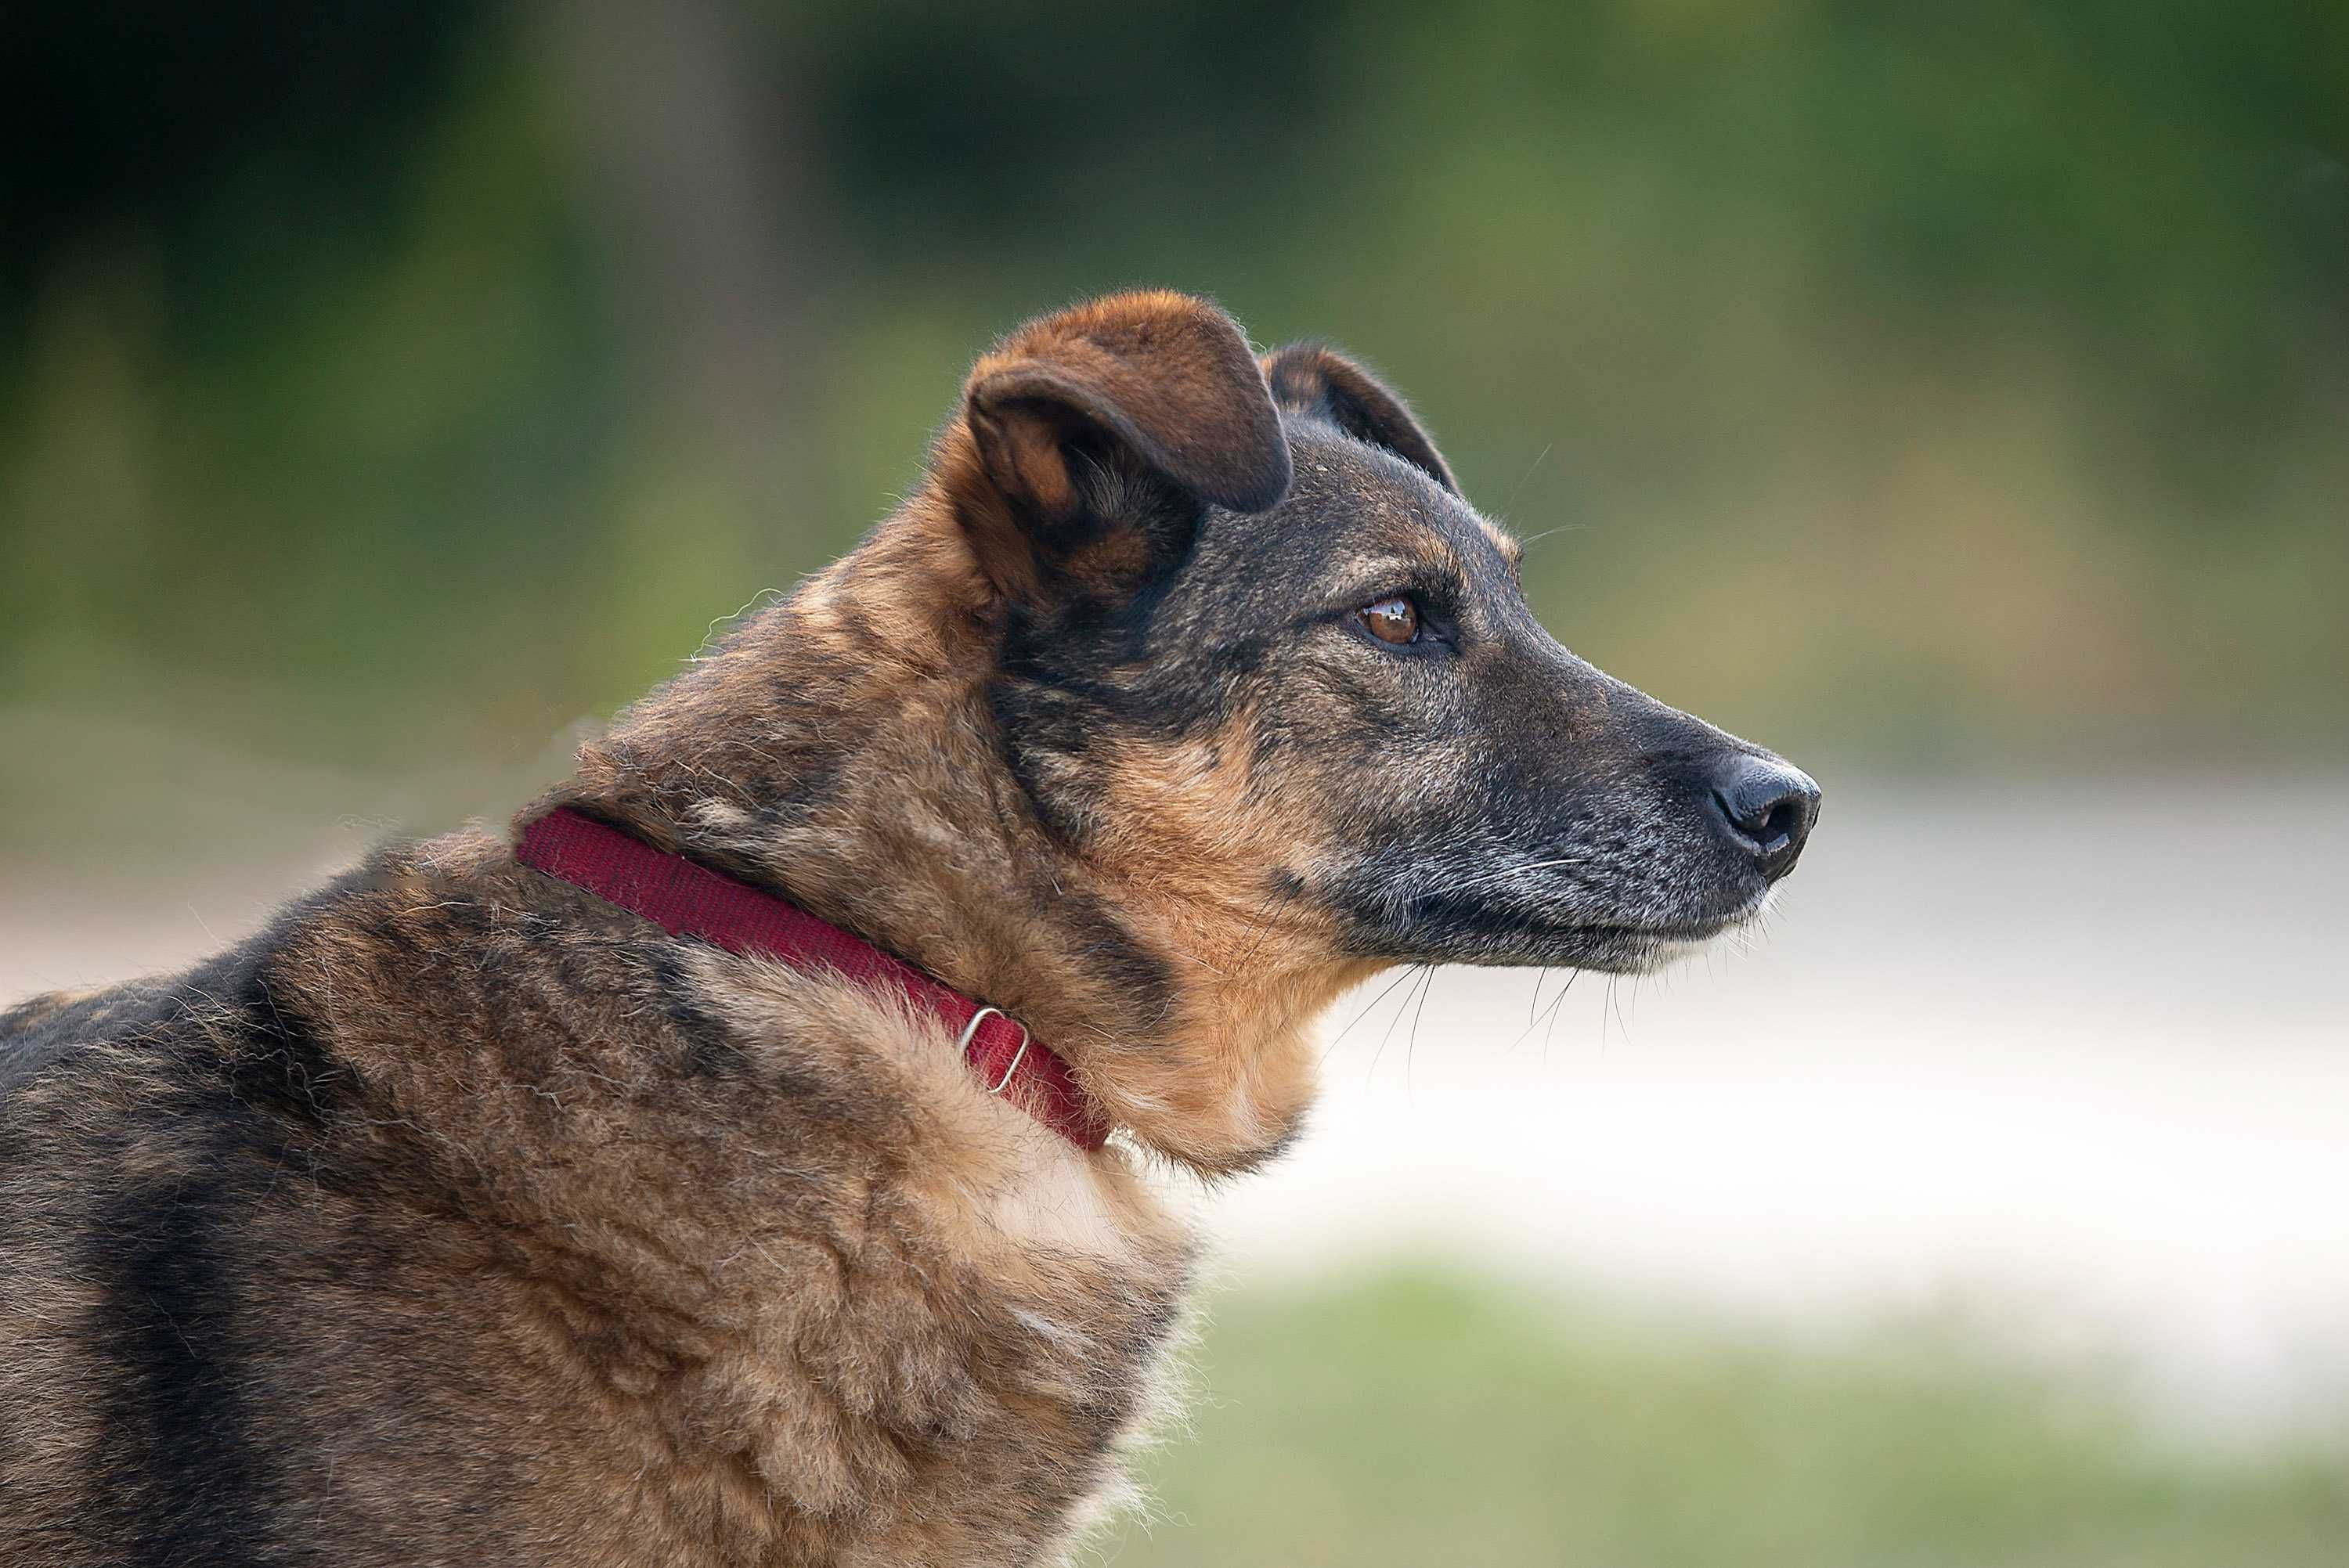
{"type": "Point", "coordinates": [1097, 513]}
{"type": "Point", "coordinates": [1101, 436]}
{"type": "Point", "coordinates": [1310, 379]}
{"type": "Point", "coordinates": [1084, 501]}
{"type": "Point", "coordinates": [1033, 448]}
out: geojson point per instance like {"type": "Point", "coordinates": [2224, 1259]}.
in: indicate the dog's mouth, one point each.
{"type": "Point", "coordinates": [1621, 948]}
{"type": "Point", "coordinates": [1645, 949]}
{"type": "Point", "coordinates": [1501, 930]}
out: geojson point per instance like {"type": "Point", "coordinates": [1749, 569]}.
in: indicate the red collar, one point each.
{"type": "Point", "coordinates": [689, 900]}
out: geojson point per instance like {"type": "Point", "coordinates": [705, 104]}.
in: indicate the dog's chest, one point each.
{"type": "Point", "coordinates": [943, 1321]}
{"type": "Point", "coordinates": [913, 1407]}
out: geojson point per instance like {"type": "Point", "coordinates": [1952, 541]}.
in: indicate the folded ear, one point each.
{"type": "Point", "coordinates": [1307, 378]}
{"type": "Point", "coordinates": [1102, 434]}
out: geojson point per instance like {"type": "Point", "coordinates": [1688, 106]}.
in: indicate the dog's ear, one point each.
{"type": "Point", "coordinates": [1100, 433]}
{"type": "Point", "coordinates": [1308, 378]}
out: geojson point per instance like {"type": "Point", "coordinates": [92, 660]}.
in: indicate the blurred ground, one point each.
{"type": "Point", "coordinates": [1407, 1418]}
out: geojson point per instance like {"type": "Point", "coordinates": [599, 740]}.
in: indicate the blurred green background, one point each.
{"type": "Point", "coordinates": [1937, 383]}
{"type": "Point", "coordinates": [387, 387]}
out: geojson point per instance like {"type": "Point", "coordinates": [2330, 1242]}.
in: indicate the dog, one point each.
{"type": "Point", "coordinates": [747, 1158]}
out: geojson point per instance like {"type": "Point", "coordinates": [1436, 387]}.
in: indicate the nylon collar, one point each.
{"type": "Point", "coordinates": [684, 898]}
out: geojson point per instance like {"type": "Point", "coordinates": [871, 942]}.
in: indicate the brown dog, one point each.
{"type": "Point", "coordinates": [469, 1215]}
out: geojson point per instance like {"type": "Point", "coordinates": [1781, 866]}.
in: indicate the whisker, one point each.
{"type": "Point", "coordinates": [1492, 878]}
{"type": "Point", "coordinates": [1549, 1013]}
{"type": "Point", "coordinates": [1552, 1028]}
{"type": "Point", "coordinates": [1262, 927]}
{"type": "Point", "coordinates": [1381, 1051]}
{"type": "Point", "coordinates": [1412, 1049]}
{"type": "Point", "coordinates": [1528, 475]}
{"type": "Point", "coordinates": [1400, 976]}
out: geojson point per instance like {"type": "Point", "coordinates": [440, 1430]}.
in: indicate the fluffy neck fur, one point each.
{"type": "Point", "coordinates": [839, 747]}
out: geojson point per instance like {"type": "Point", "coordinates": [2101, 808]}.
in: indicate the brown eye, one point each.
{"type": "Point", "coordinates": [1395, 620]}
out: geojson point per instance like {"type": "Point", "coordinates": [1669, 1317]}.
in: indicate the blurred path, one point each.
{"type": "Point", "coordinates": [2072, 1061]}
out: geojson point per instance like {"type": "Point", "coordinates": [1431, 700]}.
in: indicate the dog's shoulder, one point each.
{"type": "Point", "coordinates": [219, 1024]}
{"type": "Point", "coordinates": [36, 1035]}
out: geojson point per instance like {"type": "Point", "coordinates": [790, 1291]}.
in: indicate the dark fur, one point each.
{"type": "Point", "coordinates": [460, 1218]}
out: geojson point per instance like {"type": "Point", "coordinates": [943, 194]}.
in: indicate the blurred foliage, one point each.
{"type": "Point", "coordinates": [1937, 382]}
{"type": "Point", "coordinates": [1409, 1419]}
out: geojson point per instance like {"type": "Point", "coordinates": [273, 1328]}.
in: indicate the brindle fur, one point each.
{"type": "Point", "coordinates": [463, 1218]}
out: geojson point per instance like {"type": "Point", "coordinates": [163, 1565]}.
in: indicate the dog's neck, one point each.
{"type": "Point", "coordinates": [839, 750]}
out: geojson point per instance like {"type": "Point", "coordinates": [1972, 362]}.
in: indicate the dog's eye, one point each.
{"type": "Point", "coordinates": [1390, 620]}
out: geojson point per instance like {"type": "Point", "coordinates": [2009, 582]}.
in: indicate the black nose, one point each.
{"type": "Point", "coordinates": [1769, 807]}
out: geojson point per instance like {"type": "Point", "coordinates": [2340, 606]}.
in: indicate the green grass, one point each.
{"type": "Point", "coordinates": [1415, 1418]}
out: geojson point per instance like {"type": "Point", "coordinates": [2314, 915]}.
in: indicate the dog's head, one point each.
{"type": "Point", "coordinates": [1186, 691]}
{"type": "Point", "coordinates": [1254, 647]}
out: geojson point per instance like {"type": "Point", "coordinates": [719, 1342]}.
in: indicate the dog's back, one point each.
{"type": "Point", "coordinates": [142, 1131]}
{"type": "Point", "coordinates": [225, 1287]}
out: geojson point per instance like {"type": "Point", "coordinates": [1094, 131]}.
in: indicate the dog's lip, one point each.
{"type": "Point", "coordinates": [1643, 949]}
{"type": "Point", "coordinates": [1697, 929]}
{"type": "Point", "coordinates": [1680, 930]}
{"type": "Point", "coordinates": [1695, 925]}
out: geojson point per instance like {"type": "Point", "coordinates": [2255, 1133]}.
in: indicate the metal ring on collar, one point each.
{"type": "Point", "coordinates": [971, 1032]}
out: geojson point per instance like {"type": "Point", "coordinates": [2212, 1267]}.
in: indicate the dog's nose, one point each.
{"type": "Point", "coordinates": [1768, 807]}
